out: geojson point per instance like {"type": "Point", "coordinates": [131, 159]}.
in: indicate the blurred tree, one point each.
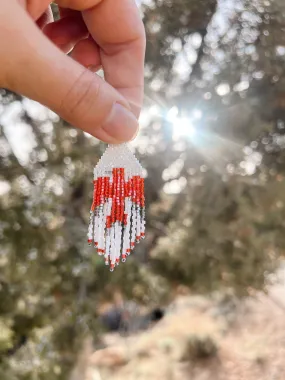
{"type": "Point", "coordinates": [225, 183]}
{"type": "Point", "coordinates": [212, 144]}
{"type": "Point", "coordinates": [50, 284]}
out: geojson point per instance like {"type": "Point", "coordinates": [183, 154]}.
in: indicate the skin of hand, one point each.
{"type": "Point", "coordinates": [106, 34]}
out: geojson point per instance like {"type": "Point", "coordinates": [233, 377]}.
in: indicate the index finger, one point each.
{"type": "Point", "coordinates": [117, 28]}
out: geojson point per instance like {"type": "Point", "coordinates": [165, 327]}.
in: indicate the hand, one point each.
{"type": "Point", "coordinates": [97, 33]}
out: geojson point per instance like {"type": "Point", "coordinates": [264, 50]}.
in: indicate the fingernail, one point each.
{"type": "Point", "coordinates": [94, 68]}
{"type": "Point", "coordinates": [121, 124]}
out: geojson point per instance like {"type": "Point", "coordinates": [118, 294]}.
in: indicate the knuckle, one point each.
{"type": "Point", "coordinates": [81, 97]}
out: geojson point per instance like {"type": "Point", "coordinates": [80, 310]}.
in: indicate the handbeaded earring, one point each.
{"type": "Point", "coordinates": [117, 215]}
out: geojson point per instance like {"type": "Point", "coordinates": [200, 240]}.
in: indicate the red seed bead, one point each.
{"type": "Point", "coordinates": [94, 195]}
{"type": "Point", "coordinates": [99, 190]}
{"type": "Point", "coordinates": [102, 191]}
{"type": "Point", "coordinates": [96, 189]}
{"type": "Point", "coordinates": [137, 189]}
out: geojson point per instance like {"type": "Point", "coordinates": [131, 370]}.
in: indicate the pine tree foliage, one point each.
{"type": "Point", "coordinates": [215, 190]}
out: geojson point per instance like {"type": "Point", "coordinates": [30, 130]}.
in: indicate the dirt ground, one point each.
{"type": "Point", "coordinates": [198, 340]}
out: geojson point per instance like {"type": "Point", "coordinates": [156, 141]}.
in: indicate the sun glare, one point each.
{"type": "Point", "coordinates": [181, 126]}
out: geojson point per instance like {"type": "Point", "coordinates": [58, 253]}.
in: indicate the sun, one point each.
{"type": "Point", "coordinates": [181, 126]}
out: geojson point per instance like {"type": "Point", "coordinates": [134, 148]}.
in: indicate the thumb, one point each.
{"type": "Point", "coordinates": [37, 69]}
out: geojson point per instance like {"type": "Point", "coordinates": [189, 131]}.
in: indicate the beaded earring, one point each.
{"type": "Point", "coordinates": [117, 215]}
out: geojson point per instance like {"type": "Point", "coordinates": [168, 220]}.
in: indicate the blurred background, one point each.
{"type": "Point", "coordinates": [203, 296]}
